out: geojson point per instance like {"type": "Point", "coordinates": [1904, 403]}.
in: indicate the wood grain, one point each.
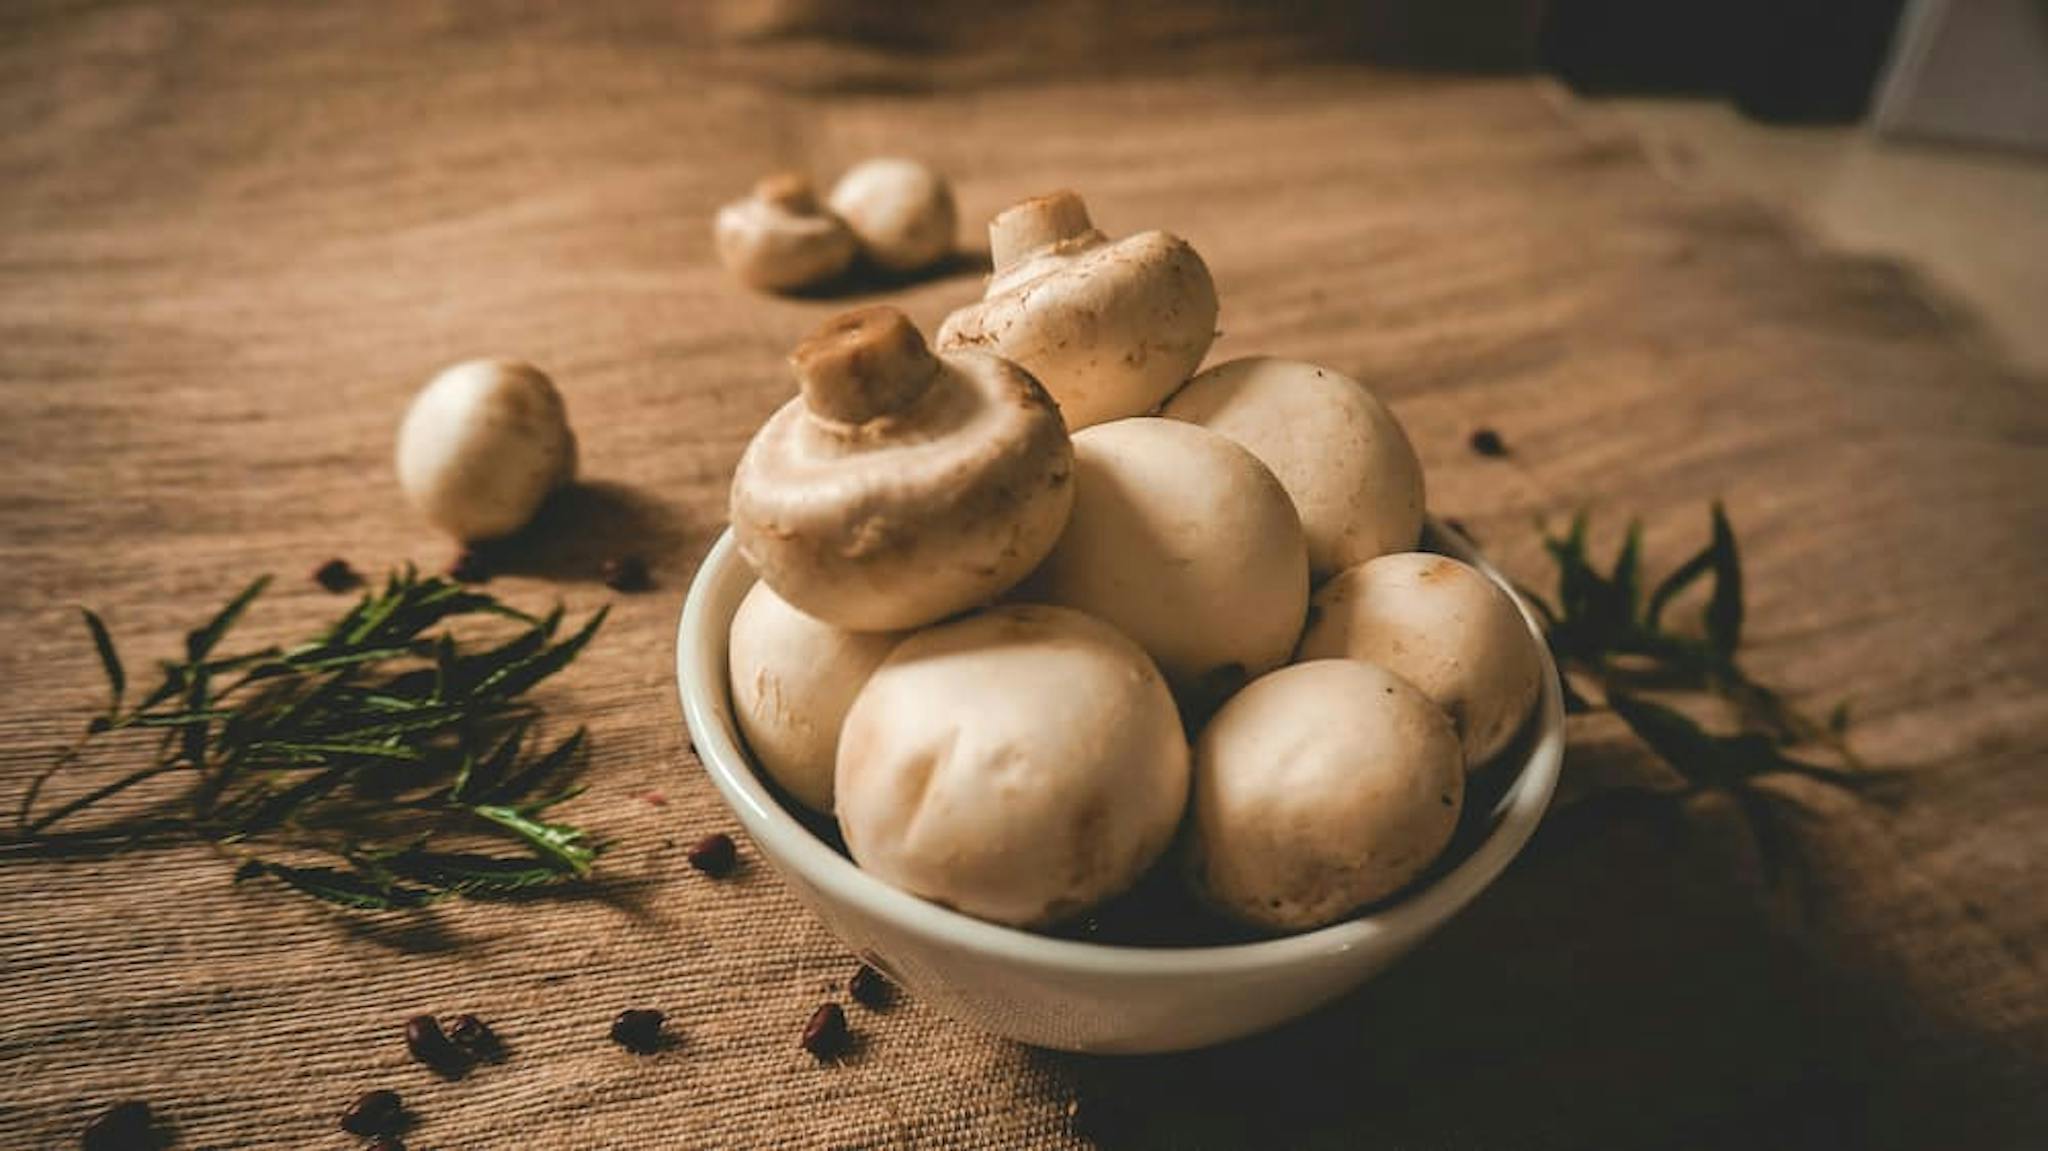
{"type": "Point", "coordinates": [234, 238]}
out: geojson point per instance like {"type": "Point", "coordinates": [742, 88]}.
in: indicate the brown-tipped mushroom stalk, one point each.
{"type": "Point", "coordinates": [1020, 765]}
{"type": "Point", "coordinates": [793, 677]}
{"type": "Point", "coordinates": [1109, 327]}
{"type": "Point", "coordinates": [1318, 789]}
{"type": "Point", "coordinates": [1339, 452]}
{"type": "Point", "coordinates": [780, 238]}
{"type": "Point", "coordinates": [900, 487]}
{"type": "Point", "coordinates": [1188, 544]}
{"type": "Point", "coordinates": [482, 446]}
{"type": "Point", "coordinates": [901, 211]}
{"type": "Point", "coordinates": [1443, 627]}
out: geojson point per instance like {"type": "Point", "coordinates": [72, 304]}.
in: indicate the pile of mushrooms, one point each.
{"type": "Point", "coordinates": [1039, 606]}
{"type": "Point", "coordinates": [895, 213]}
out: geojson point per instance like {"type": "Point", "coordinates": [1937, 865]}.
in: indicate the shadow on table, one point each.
{"type": "Point", "coordinates": [865, 281]}
{"type": "Point", "coordinates": [587, 526]}
{"type": "Point", "coordinates": [1618, 988]}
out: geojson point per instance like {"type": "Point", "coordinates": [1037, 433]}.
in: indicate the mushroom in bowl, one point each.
{"type": "Point", "coordinates": [1089, 996]}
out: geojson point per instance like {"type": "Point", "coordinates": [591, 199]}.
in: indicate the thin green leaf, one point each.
{"type": "Point", "coordinates": [1627, 577]}
{"type": "Point", "coordinates": [277, 807]}
{"type": "Point", "coordinates": [480, 775]}
{"type": "Point", "coordinates": [556, 841]}
{"type": "Point", "coordinates": [1724, 609]}
{"type": "Point", "coordinates": [201, 643]}
{"type": "Point", "coordinates": [1674, 585]}
{"type": "Point", "coordinates": [316, 752]}
{"type": "Point", "coordinates": [473, 875]}
{"type": "Point", "coordinates": [178, 718]}
{"type": "Point", "coordinates": [529, 779]}
{"type": "Point", "coordinates": [110, 661]}
{"type": "Point", "coordinates": [344, 888]}
{"type": "Point", "coordinates": [518, 677]}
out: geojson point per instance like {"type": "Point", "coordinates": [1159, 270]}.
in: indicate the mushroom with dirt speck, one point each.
{"type": "Point", "coordinates": [900, 487]}
{"type": "Point", "coordinates": [1109, 327]}
{"type": "Point", "coordinates": [1444, 627]}
{"type": "Point", "coordinates": [1318, 789]}
{"type": "Point", "coordinates": [1020, 765]}
{"type": "Point", "coordinates": [1339, 452]}
{"type": "Point", "coordinates": [482, 446]}
{"type": "Point", "coordinates": [780, 239]}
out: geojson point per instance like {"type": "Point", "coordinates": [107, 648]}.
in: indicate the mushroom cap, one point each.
{"type": "Point", "coordinates": [1019, 765]}
{"type": "Point", "coordinates": [900, 487]}
{"type": "Point", "coordinates": [1443, 627]}
{"type": "Point", "coordinates": [1335, 447]}
{"type": "Point", "coordinates": [793, 677]}
{"type": "Point", "coordinates": [482, 446]}
{"type": "Point", "coordinates": [1188, 544]}
{"type": "Point", "coordinates": [1109, 327]}
{"type": "Point", "coordinates": [779, 239]}
{"type": "Point", "coordinates": [1318, 789]}
{"type": "Point", "coordinates": [900, 210]}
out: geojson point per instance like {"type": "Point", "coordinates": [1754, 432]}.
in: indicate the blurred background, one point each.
{"type": "Point", "coordinates": [1915, 129]}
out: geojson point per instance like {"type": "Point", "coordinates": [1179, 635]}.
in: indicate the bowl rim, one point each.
{"type": "Point", "coordinates": [702, 682]}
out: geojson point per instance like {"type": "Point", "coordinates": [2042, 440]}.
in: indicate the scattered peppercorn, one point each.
{"type": "Point", "coordinates": [429, 1044]}
{"type": "Point", "coordinates": [387, 1143]}
{"type": "Point", "coordinates": [626, 574]}
{"type": "Point", "coordinates": [126, 1126]}
{"type": "Point", "coordinates": [373, 1113]}
{"type": "Point", "coordinates": [1487, 442]}
{"type": "Point", "coordinates": [337, 576]}
{"type": "Point", "coordinates": [870, 989]}
{"type": "Point", "coordinates": [469, 567]}
{"type": "Point", "coordinates": [714, 855]}
{"type": "Point", "coordinates": [638, 1031]}
{"type": "Point", "coordinates": [474, 1037]}
{"type": "Point", "coordinates": [825, 1036]}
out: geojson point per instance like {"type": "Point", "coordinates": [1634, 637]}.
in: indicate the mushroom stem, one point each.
{"type": "Point", "coordinates": [1036, 224]}
{"type": "Point", "coordinates": [790, 191]}
{"type": "Point", "coordinates": [863, 365]}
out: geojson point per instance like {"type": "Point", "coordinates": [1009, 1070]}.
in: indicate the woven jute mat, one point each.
{"type": "Point", "coordinates": [234, 238]}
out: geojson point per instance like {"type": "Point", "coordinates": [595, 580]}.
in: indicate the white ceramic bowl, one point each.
{"type": "Point", "coordinates": [1068, 994]}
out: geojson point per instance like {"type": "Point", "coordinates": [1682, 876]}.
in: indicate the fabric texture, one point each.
{"type": "Point", "coordinates": [235, 238]}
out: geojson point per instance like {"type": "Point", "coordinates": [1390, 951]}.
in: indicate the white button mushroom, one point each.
{"type": "Point", "coordinates": [901, 211]}
{"type": "Point", "coordinates": [1443, 627]}
{"type": "Point", "coordinates": [793, 677]}
{"type": "Point", "coordinates": [900, 487]}
{"type": "Point", "coordinates": [1335, 447]}
{"type": "Point", "coordinates": [1020, 765]}
{"type": "Point", "coordinates": [1318, 789]}
{"type": "Point", "coordinates": [482, 446]}
{"type": "Point", "coordinates": [1186, 542]}
{"type": "Point", "coordinates": [1109, 327]}
{"type": "Point", "coordinates": [779, 239]}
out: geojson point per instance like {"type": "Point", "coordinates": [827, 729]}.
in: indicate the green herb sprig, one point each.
{"type": "Point", "coordinates": [1611, 634]}
{"type": "Point", "coordinates": [343, 766]}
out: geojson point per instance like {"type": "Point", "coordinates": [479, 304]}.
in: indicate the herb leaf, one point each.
{"type": "Point", "coordinates": [1603, 638]}
{"type": "Point", "coordinates": [370, 743]}
{"type": "Point", "coordinates": [110, 661]}
{"type": "Point", "coordinates": [1724, 610]}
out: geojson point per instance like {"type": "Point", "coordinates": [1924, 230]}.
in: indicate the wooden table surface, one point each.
{"type": "Point", "coordinates": [234, 238]}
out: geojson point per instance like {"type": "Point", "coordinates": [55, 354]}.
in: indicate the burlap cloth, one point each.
{"type": "Point", "coordinates": [233, 239]}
